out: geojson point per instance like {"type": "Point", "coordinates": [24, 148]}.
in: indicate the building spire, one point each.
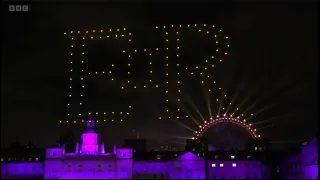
{"type": "Point", "coordinates": [90, 123]}
{"type": "Point", "coordinates": [90, 140]}
{"type": "Point", "coordinates": [114, 149]}
{"type": "Point", "coordinates": [90, 127]}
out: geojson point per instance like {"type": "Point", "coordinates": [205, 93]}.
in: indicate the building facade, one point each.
{"type": "Point", "coordinates": [291, 166]}
{"type": "Point", "coordinates": [236, 165]}
{"type": "Point", "coordinates": [90, 161]}
{"type": "Point", "coordinates": [310, 159]}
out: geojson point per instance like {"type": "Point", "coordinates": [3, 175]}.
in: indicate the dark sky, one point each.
{"type": "Point", "coordinates": [272, 57]}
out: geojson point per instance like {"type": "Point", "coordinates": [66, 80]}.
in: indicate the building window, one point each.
{"type": "Point", "coordinates": [248, 175]}
{"type": "Point", "coordinates": [30, 159]}
{"type": "Point", "coordinates": [234, 165]}
{"type": "Point", "coordinates": [216, 157]}
{"type": "Point", "coordinates": [248, 157]}
{"type": "Point", "coordinates": [260, 148]}
{"type": "Point", "coordinates": [314, 160]}
{"type": "Point", "coordinates": [1, 159]}
{"type": "Point", "coordinates": [9, 159]}
{"type": "Point", "coordinates": [255, 148]}
{"type": "Point", "coordinates": [37, 159]}
{"type": "Point", "coordinates": [213, 165]}
{"type": "Point", "coordinates": [221, 165]}
{"type": "Point", "coordinates": [54, 154]}
{"type": "Point", "coordinates": [232, 157]}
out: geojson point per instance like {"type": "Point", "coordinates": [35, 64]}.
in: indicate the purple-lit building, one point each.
{"type": "Point", "coordinates": [291, 165]}
{"type": "Point", "coordinates": [90, 161]}
{"type": "Point", "coordinates": [236, 165]}
{"type": "Point", "coordinates": [310, 158]}
{"type": "Point", "coordinates": [168, 165]}
{"type": "Point", "coordinates": [22, 162]}
{"type": "Point", "coordinates": [300, 163]}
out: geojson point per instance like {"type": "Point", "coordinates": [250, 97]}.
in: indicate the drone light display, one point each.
{"type": "Point", "coordinates": [173, 57]}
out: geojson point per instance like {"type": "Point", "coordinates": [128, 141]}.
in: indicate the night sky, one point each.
{"type": "Point", "coordinates": [271, 63]}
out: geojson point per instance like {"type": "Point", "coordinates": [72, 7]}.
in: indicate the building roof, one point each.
{"type": "Point", "coordinates": [156, 155]}
{"type": "Point", "coordinates": [311, 141]}
{"type": "Point", "coordinates": [23, 154]}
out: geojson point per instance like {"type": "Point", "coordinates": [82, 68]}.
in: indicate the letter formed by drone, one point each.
{"type": "Point", "coordinates": [167, 66]}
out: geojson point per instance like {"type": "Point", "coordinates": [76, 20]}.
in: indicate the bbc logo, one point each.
{"type": "Point", "coordinates": [18, 7]}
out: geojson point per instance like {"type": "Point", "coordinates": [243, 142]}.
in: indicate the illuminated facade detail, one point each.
{"type": "Point", "coordinates": [243, 124]}
{"type": "Point", "coordinates": [310, 159]}
{"type": "Point", "coordinates": [89, 162]}
{"type": "Point", "coordinates": [22, 169]}
{"type": "Point", "coordinates": [185, 166]}
{"type": "Point", "coordinates": [301, 164]}
{"type": "Point", "coordinates": [89, 140]}
{"type": "Point", "coordinates": [188, 166]}
{"type": "Point", "coordinates": [24, 163]}
{"type": "Point", "coordinates": [122, 163]}
{"type": "Point", "coordinates": [291, 165]}
{"type": "Point", "coordinates": [237, 169]}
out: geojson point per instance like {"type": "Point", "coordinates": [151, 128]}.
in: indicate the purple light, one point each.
{"type": "Point", "coordinates": [90, 124]}
{"type": "Point", "coordinates": [189, 156]}
{"type": "Point", "coordinates": [22, 170]}
{"type": "Point", "coordinates": [310, 159]}
{"type": "Point", "coordinates": [311, 172]}
{"type": "Point", "coordinates": [89, 143]}
{"type": "Point", "coordinates": [92, 164]}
